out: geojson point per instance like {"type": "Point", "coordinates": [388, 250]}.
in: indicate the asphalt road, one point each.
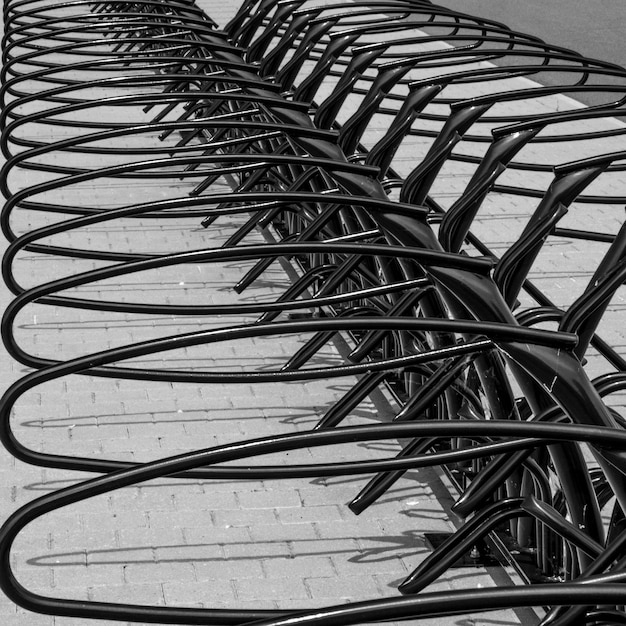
{"type": "Point", "coordinates": [595, 28]}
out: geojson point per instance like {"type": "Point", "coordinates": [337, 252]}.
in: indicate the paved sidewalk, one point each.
{"type": "Point", "coordinates": [218, 544]}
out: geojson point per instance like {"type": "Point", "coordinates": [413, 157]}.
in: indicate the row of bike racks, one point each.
{"type": "Point", "coordinates": [488, 370]}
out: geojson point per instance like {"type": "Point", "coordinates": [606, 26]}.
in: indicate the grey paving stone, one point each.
{"type": "Point", "coordinates": [345, 588]}
{"type": "Point", "coordinates": [264, 589]}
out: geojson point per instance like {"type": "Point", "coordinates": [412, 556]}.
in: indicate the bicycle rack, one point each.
{"type": "Point", "coordinates": [233, 124]}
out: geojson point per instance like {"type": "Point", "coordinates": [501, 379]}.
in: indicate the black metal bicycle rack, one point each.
{"type": "Point", "coordinates": [487, 370]}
